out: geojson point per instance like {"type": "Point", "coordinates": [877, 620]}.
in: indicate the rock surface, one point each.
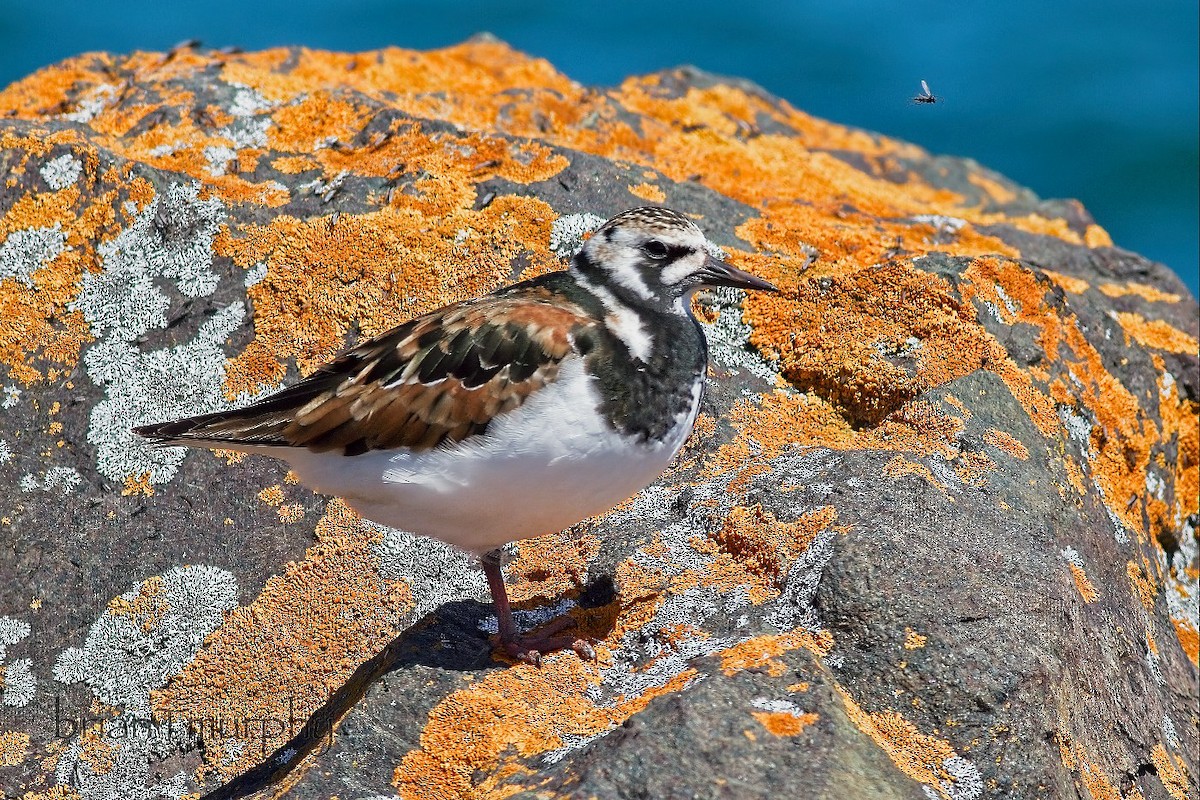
{"type": "Point", "coordinates": [934, 536]}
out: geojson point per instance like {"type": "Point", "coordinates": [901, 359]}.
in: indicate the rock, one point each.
{"type": "Point", "coordinates": [935, 535]}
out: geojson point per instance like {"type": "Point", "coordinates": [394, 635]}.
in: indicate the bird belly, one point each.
{"type": "Point", "coordinates": [543, 467]}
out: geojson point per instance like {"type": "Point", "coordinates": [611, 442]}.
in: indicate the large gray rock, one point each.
{"type": "Point", "coordinates": [935, 535]}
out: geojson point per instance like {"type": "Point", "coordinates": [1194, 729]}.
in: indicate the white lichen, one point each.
{"type": "Point", "coordinates": [776, 706]}
{"type": "Point", "coordinates": [965, 783]}
{"type": "Point", "coordinates": [729, 336]}
{"type": "Point", "coordinates": [12, 630]}
{"type": "Point", "coordinates": [168, 148]}
{"type": "Point", "coordinates": [218, 157]}
{"type": "Point", "coordinates": [61, 172]}
{"type": "Point", "coordinates": [1181, 591]}
{"type": "Point", "coordinates": [71, 666]}
{"type": "Point", "coordinates": [1155, 485]}
{"type": "Point", "coordinates": [12, 396]}
{"type": "Point", "coordinates": [569, 232]}
{"type": "Point", "coordinates": [1169, 733]}
{"type": "Point", "coordinates": [248, 132]}
{"type": "Point", "coordinates": [255, 274]}
{"type": "Point", "coordinates": [27, 250]}
{"type": "Point", "coordinates": [1078, 428]}
{"type": "Point", "coordinates": [528, 619]}
{"type": "Point", "coordinates": [248, 101]}
{"type": "Point", "coordinates": [95, 101]}
{"type": "Point", "coordinates": [125, 657]}
{"type": "Point", "coordinates": [148, 387]}
{"type": "Point", "coordinates": [436, 572]}
{"type": "Point", "coordinates": [6, 452]}
{"type": "Point", "coordinates": [19, 684]}
{"type": "Point", "coordinates": [171, 239]}
{"type": "Point", "coordinates": [60, 480]}
{"type": "Point", "coordinates": [944, 228]}
{"type": "Point", "coordinates": [1072, 557]}
{"type": "Point", "coordinates": [994, 310]}
{"type": "Point", "coordinates": [1012, 305]}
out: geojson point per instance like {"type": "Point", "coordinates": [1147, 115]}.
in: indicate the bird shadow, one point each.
{"type": "Point", "coordinates": [447, 638]}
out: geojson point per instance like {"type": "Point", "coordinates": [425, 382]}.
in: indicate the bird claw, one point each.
{"type": "Point", "coordinates": [531, 648]}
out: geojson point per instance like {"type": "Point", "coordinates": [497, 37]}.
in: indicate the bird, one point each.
{"type": "Point", "coordinates": [512, 415]}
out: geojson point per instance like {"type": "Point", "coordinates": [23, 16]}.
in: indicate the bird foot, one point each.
{"type": "Point", "coordinates": [531, 647]}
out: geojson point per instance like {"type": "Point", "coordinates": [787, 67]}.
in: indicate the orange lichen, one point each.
{"type": "Point", "coordinates": [914, 640]}
{"type": "Point", "coordinates": [753, 550]}
{"type": "Point", "coordinates": [272, 495]}
{"type": "Point", "coordinates": [1068, 283]}
{"type": "Point", "coordinates": [1155, 334]}
{"type": "Point", "coordinates": [1171, 771]}
{"type": "Point", "coordinates": [1095, 236]}
{"type": "Point", "coordinates": [99, 755]}
{"type": "Point", "coordinates": [1087, 589]}
{"type": "Point", "coordinates": [148, 606]}
{"type": "Point", "coordinates": [297, 642]}
{"type": "Point", "coordinates": [1148, 293]}
{"type": "Point", "coordinates": [1189, 639]}
{"type": "Point", "coordinates": [13, 747]}
{"type": "Point", "coordinates": [230, 457]}
{"type": "Point", "coordinates": [1002, 440]}
{"type": "Point", "coordinates": [997, 191]}
{"type": "Point", "coordinates": [918, 755]}
{"type": "Point", "coordinates": [1178, 415]}
{"type": "Point", "coordinates": [780, 421]}
{"type": "Point", "coordinates": [871, 340]}
{"type": "Point", "coordinates": [1095, 781]}
{"type": "Point", "coordinates": [960, 405]}
{"type": "Point", "coordinates": [762, 652]}
{"type": "Point", "coordinates": [764, 545]}
{"type": "Point", "coordinates": [370, 272]}
{"type": "Point", "coordinates": [549, 566]}
{"type": "Point", "coordinates": [55, 793]}
{"type": "Point", "coordinates": [36, 323]}
{"type": "Point", "coordinates": [524, 711]}
{"type": "Point", "coordinates": [138, 484]}
{"type": "Point", "coordinates": [294, 165]}
{"type": "Point", "coordinates": [293, 512]}
{"type": "Point", "coordinates": [1143, 583]}
{"type": "Point", "coordinates": [899, 467]}
{"type": "Point", "coordinates": [648, 192]}
{"type": "Point", "coordinates": [784, 723]}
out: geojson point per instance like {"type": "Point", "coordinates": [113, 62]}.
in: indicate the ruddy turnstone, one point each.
{"type": "Point", "coordinates": [512, 415]}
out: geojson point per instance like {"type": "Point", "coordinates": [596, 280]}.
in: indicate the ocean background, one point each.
{"type": "Point", "coordinates": [1094, 100]}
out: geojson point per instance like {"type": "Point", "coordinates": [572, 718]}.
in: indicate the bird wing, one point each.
{"type": "Point", "coordinates": [438, 378]}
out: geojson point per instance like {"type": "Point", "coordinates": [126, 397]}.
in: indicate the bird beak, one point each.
{"type": "Point", "coordinates": [718, 273]}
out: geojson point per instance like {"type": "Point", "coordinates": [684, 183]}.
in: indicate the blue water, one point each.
{"type": "Point", "coordinates": [1095, 100]}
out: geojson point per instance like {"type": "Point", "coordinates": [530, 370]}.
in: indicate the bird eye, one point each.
{"type": "Point", "coordinates": [655, 249]}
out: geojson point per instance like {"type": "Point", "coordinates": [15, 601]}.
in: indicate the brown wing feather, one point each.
{"type": "Point", "coordinates": [441, 377]}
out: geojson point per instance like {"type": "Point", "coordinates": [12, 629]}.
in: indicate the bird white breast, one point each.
{"type": "Point", "coordinates": [539, 469]}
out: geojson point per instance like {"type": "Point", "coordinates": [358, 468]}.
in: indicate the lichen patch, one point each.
{"type": "Point", "coordinates": [288, 650]}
